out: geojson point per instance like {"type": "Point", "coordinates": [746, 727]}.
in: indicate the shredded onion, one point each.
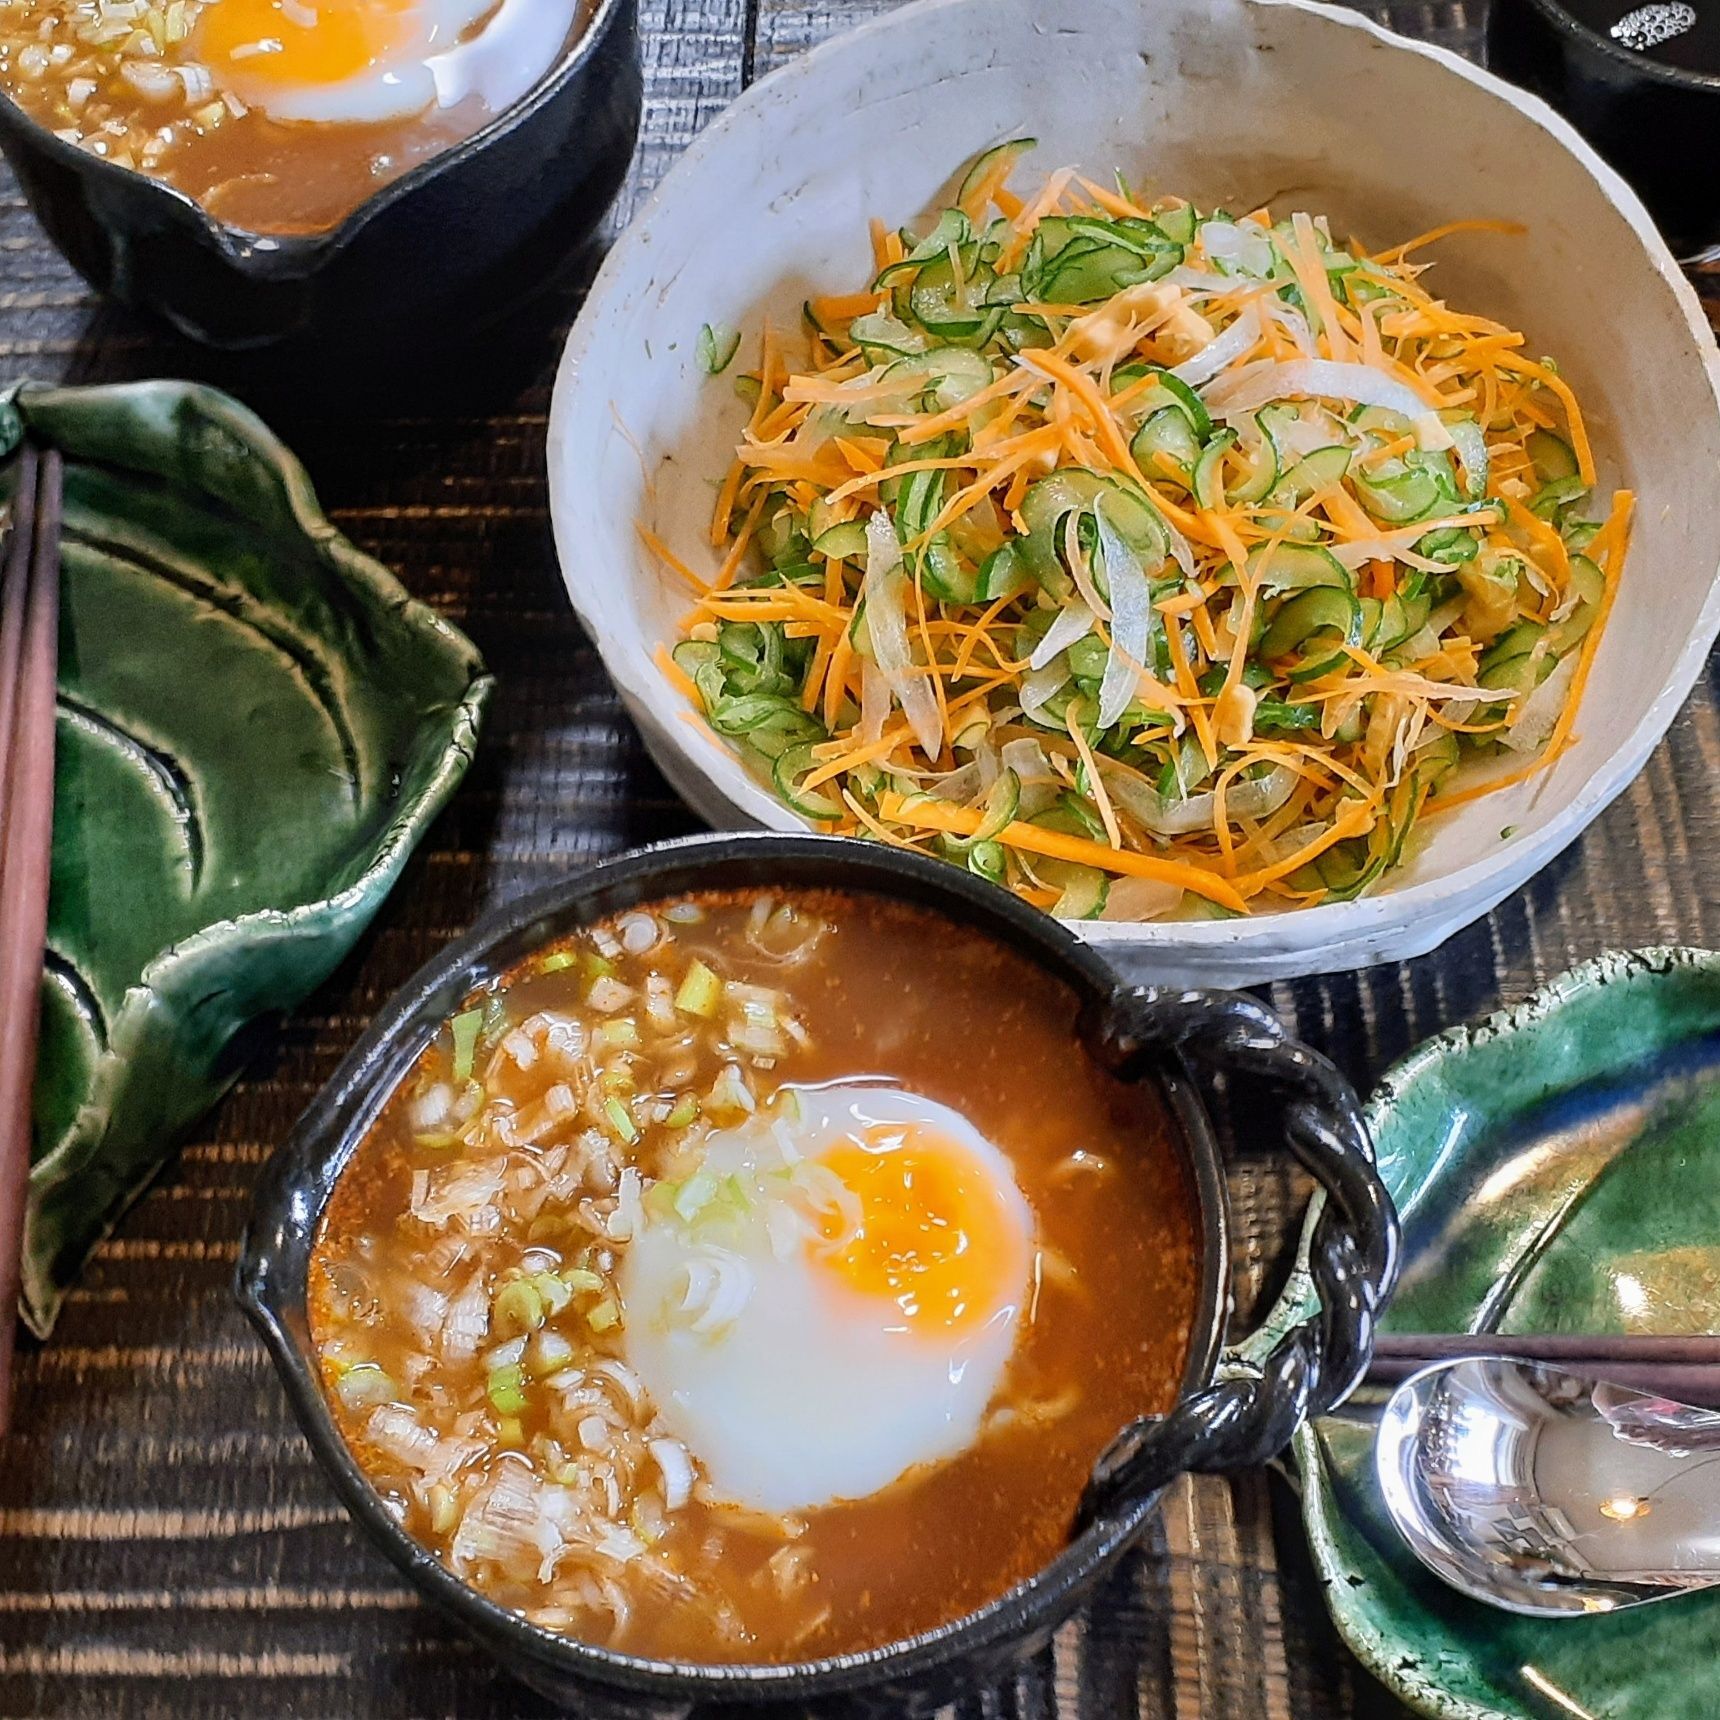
{"type": "Point", "coordinates": [1140, 899]}
{"type": "Point", "coordinates": [718, 1285]}
{"type": "Point", "coordinates": [1295, 324]}
{"type": "Point", "coordinates": [677, 1471]}
{"type": "Point", "coordinates": [1073, 623]}
{"type": "Point", "coordinates": [1535, 720]}
{"type": "Point", "coordinates": [1026, 757]}
{"type": "Point", "coordinates": [1131, 621]}
{"type": "Point", "coordinates": [1242, 246]}
{"type": "Point", "coordinates": [1257, 798]}
{"type": "Point", "coordinates": [1221, 350]}
{"type": "Point", "coordinates": [1258, 385]}
{"type": "Point", "coordinates": [874, 702]}
{"type": "Point", "coordinates": [1359, 551]}
{"type": "Point", "coordinates": [1040, 686]}
{"type": "Point", "coordinates": [887, 623]}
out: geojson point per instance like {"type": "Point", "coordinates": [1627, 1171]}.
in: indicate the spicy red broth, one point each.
{"type": "Point", "coordinates": [884, 1363]}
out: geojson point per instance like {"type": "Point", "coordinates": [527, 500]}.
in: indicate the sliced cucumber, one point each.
{"type": "Point", "coordinates": [958, 373]}
{"type": "Point", "coordinates": [882, 337]}
{"type": "Point", "coordinates": [846, 542]}
{"type": "Point", "coordinates": [1177, 224]}
{"type": "Point", "coordinates": [1169, 390]}
{"type": "Point", "coordinates": [1085, 888]}
{"type": "Point", "coordinates": [1381, 421]}
{"type": "Point", "coordinates": [1590, 584]}
{"type": "Point", "coordinates": [944, 307]}
{"type": "Point", "coordinates": [1315, 472]}
{"type": "Point", "coordinates": [997, 812]}
{"type": "Point", "coordinates": [1472, 453]}
{"type": "Point", "coordinates": [1296, 567]}
{"type": "Point", "coordinates": [1002, 574]}
{"type": "Point", "coordinates": [1552, 456]}
{"type": "Point", "coordinates": [988, 860]}
{"type": "Point", "coordinates": [1257, 455]}
{"type": "Point", "coordinates": [1209, 470]}
{"type": "Point", "coordinates": [985, 165]}
{"type": "Point", "coordinates": [1406, 494]}
{"type": "Point", "coordinates": [1167, 437]}
{"type": "Point", "coordinates": [1314, 623]}
{"type": "Point", "coordinates": [1050, 499]}
{"type": "Point", "coordinates": [1257, 458]}
{"type": "Point", "coordinates": [791, 765]}
{"type": "Point", "coordinates": [1550, 499]}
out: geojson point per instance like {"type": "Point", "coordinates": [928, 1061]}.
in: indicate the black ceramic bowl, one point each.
{"type": "Point", "coordinates": [467, 233]}
{"type": "Point", "coordinates": [1658, 124]}
{"type": "Point", "coordinates": [1144, 1034]}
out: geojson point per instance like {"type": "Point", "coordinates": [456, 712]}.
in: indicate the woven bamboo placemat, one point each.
{"type": "Point", "coordinates": [167, 1546]}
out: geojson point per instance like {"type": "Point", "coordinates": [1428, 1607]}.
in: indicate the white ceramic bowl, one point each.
{"type": "Point", "coordinates": [1228, 101]}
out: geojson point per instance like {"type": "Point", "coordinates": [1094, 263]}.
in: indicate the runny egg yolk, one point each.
{"type": "Point", "coordinates": [933, 1233]}
{"type": "Point", "coordinates": [305, 42]}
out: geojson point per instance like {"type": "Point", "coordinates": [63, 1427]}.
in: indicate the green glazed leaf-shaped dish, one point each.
{"type": "Point", "coordinates": [256, 724]}
{"type": "Point", "coordinates": [1558, 1170]}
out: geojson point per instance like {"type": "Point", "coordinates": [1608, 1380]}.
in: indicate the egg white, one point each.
{"type": "Point", "coordinates": [519, 42]}
{"type": "Point", "coordinates": [801, 1393]}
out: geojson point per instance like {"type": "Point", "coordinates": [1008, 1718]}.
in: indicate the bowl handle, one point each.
{"type": "Point", "coordinates": [1241, 1422]}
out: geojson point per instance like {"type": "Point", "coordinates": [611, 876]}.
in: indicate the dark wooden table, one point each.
{"type": "Point", "coordinates": [166, 1545]}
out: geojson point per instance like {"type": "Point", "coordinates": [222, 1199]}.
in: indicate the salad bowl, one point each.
{"type": "Point", "coordinates": [1231, 103]}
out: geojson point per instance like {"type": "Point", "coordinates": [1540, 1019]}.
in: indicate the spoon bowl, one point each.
{"type": "Point", "coordinates": [1551, 1493]}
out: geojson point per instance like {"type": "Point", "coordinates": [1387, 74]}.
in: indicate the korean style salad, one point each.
{"type": "Point", "coordinates": [1147, 560]}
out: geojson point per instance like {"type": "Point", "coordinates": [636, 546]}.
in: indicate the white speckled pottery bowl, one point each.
{"type": "Point", "coordinates": [1228, 101]}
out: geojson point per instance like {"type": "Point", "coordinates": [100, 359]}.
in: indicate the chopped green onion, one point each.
{"type": "Point", "coordinates": [505, 1389]}
{"type": "Point", "coordinates": [518, 1308]}
{"type": "Point", "coordinates": [364, 1385]}
{"type": "Point", "coordinates": [618, 1033]}
{"type": "Point", "coordinates": [599, 968]}
{"type": "Point", "coordinates": [465, 1030]}
{"type": "Point", "coordinates": [694, 1195]}
{"type": "Point", "coordinates": [622, 1120]}
{"type": "Point", "coordinates": [550, 1354]}
{"type": "Point", "coordinates": [509, 1431]}
{"type": "Point", "coordinates": [717, 346]}
{"type": "Point", "coordinates": [444, 1509]}
{"type": "Point", "coordinates": [686, 1111]}
{"type": "Point", "coordinates": [604, 1315]}
{"type": "Point", "coordinates": [701, 991]}
{"type": "Point", "coordinates": [555, 962]}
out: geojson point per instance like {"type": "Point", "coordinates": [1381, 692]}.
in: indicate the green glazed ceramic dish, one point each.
{"type": "Point", "coordinates": [256, 724]}
{"type": "Point", "coordinates": [1557, 1168]}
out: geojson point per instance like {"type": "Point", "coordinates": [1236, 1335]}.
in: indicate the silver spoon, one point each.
{"type": "Point", "coordinates": [1548, 1492]}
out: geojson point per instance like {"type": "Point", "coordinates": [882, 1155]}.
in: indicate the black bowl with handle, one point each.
{"type": "Point", "coordinates": [465, 235]}
{"type": "Point", "coordinates": [1142, 1033]}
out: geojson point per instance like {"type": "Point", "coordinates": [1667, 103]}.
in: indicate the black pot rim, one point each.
{"type": "Point", "coordinates": [1638, 65]}
{"type": "Point", "coordinates": [326, 1136]}
{"type": "Point", "coordinates": [289, 255]}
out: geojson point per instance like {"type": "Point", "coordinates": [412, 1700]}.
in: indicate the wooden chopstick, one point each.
{"type": "Point", "coordinates": [1683, 1367]}
{"type": "Point", "coordinates": [29, 664]}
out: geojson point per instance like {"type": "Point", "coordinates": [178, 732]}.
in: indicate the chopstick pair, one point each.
{"type": "Point", "coordinates": [29, 664]}
{"type": "Point", "coordinates": [1684, 1368]}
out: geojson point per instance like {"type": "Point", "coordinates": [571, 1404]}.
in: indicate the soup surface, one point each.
{"type": "Point", "coordinates": [278, 116]}
{"type": "Point", "coordinates": [754, 1278]}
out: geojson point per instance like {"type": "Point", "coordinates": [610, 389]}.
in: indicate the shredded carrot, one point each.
{"type": "Point", "coordinates": [988, 459]}
{"type": "Point", "coordinates": [674, 674]}
{"type": "Point", "coordinates": [1055, 845]}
